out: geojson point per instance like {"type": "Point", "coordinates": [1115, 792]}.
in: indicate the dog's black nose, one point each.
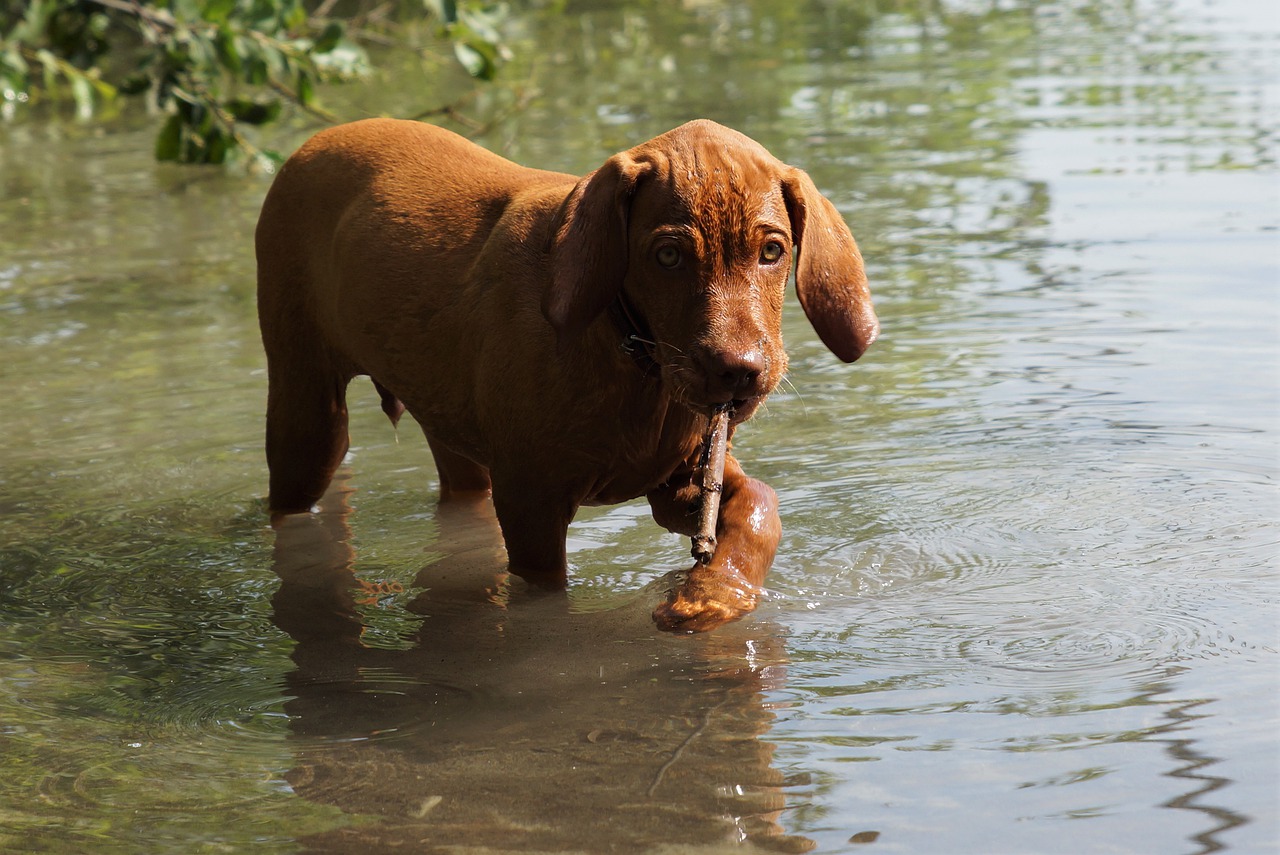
{"type": "Point", "coordinates": [734, 374]}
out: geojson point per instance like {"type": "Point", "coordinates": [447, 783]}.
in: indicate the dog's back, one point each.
{"type": "Point", "coordinates": [376, 212]}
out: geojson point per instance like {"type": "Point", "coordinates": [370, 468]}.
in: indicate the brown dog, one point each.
{"type": "Point", "coordinates": [561, 341]}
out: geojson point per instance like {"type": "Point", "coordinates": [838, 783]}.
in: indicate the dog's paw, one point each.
{"type": "Point", "coordinates": [701, 604]}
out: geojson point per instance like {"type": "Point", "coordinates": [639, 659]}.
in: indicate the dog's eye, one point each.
{"type": "Point", "coordinates": [771, 252]}
{"type": "Point", "coordinates": [668, 255]}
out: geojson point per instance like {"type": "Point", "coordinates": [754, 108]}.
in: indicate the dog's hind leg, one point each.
{"type": "Point", "coordinates": [306, 429]}
{"type": "Point", "coordinates": [307, 376]}
{"type": "Point", "coordinates": [306, 440]}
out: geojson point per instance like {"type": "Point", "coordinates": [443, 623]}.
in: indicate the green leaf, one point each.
{"type": "Point", "coordinates": [254, 112]}
{"type": "Point", "coordinates": [445, 10]}
{"type": "Point", "coordinates": [269, 160]}
{"type": "Point", "coordinates": [478, 58]}
{"type": "Point", "coordinates": [104, 89]}
{"type": "Point", "coordinates": [216, 146]}
{"type": "Point", "coordinates": [190, 111]}
{"type": "Point", "coordinates": [256, 72]}
{"type": "Point", "coordinates": [306, 89]}
{"type": "Point", "coordinates": [98, 25]}
{"type": "Point", "coordinates": [347, 61]}
{"type": "Point", "coordinates": [329, 39]}
{"type": "Point", "coordinates": [481, 24]}
{"type": "Point", "coordinates": [34, 22]}
{"type": "Point", "coordinates": [295, 16]}
{"type": "Point", "coordinates": [48, 65]}
{"type": "Point", "coordinates": [228, 52]}
{"type": "Point", "coordinates": [16, 67]}
{"type": "Point", "coordinates": [135, 84]}
{"type": "Point", "coordinates": [82, 93]}
{"type": "Point", "coordinates": [169, 142]}
{"type": "Point", "coordinates": [203, 53]}
{"type": "Point", "coordinates": [277, 61]}
{"type": "Point", "coordinates": [217, 11]}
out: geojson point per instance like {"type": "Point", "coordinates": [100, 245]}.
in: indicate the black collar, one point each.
{"type": "Point", "coordinates": [637, 341]}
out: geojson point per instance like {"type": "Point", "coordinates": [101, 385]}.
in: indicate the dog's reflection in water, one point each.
{"type": "Point", "coordinates": [511, 722]}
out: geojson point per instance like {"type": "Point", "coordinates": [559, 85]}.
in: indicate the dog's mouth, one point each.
{"type": "Point", "coordinates": [741, 409]}
{"type": "Point", "coordinates": [691, 392]}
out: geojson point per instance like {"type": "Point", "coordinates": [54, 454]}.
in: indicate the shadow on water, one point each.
{"type": "Point", "coordinates": [509, 720]}
{"type": "Point", "coordinates": [1193, 769]}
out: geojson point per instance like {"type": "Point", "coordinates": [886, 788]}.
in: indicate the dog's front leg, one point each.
{"type": "Point", "coordinates": [747, 535]}
{"type": "Point", "coordinates": [534, 524]}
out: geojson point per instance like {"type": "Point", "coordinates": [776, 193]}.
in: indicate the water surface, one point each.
{"type": "Point", "coordinates": [1026, 597]}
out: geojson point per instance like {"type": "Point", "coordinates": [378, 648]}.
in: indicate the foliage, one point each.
{"type": "Point", "coordinates": [214, 67]}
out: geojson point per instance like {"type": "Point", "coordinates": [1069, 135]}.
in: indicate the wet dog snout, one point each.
{"type": "Point", "coordinates": [734, 374]}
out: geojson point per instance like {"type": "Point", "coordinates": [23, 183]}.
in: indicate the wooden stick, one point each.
{"type": "Point", "coordinates": [713, 452]}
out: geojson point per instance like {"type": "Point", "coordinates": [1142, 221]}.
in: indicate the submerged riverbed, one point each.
{"type": "Point", "coordinates": [1026, 599]}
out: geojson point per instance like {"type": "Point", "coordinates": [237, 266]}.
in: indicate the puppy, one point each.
{"type": "Point", "coordinates": [561, 340]}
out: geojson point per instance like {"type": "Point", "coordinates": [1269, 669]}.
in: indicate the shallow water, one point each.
{"type": "Point", "coordinates": [1029, 562]}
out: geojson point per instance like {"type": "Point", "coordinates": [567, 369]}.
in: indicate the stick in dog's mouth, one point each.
{"type": "Point", "coordinates": [713, 452]}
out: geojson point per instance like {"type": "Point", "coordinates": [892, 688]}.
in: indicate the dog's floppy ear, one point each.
{"type": "Point", "coordinates": [589, 246]}
{"type": "Point", "coordinates": [829, 276]}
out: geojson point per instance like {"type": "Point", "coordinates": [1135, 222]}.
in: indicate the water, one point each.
{"type": "Point", "coordinates": [1029, 563]}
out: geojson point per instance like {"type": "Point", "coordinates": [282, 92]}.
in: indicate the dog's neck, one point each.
{"type": "Point", "coordinates": [637, 341]}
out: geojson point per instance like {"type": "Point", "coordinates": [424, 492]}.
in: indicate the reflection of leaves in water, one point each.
{"type": "Point", "coordinates": [79, 763]}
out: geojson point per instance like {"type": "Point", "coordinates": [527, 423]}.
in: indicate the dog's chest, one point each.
{"type": "Point", "coordinates": [644, 458]}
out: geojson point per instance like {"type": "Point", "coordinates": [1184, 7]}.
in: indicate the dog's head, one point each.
{"type": "Point", "coordinates": [695, 232]}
